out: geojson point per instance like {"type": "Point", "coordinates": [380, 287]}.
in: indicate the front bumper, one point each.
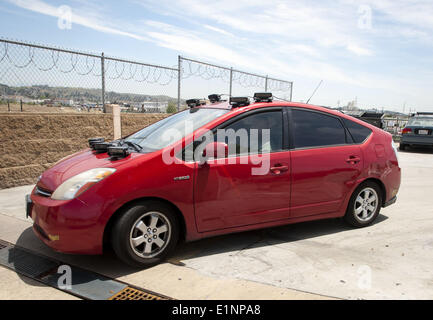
{"type": "Point", "coordinates": [65, 226]}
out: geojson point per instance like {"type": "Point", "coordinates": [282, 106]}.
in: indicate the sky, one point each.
{"type": "Point", "coordinates": [377, 52]}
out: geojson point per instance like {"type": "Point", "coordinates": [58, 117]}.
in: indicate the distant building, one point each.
{"type": "Point", "coordinates": [150, 106]}
{"type": "Point", "coordinates": [63, 102]}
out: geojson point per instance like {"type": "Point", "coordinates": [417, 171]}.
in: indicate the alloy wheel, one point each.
{"type": "Point", "coordinates": [366, 204]}
{"type": "Point", "coordinates": [150, 234]}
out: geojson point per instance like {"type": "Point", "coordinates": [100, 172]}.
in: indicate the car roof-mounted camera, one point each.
{"type": "Point", "coordinates": [192, 103]}
{"type": "Point", "coordinates": [263, 97]}
{"type": "Point", "coordinates": [237, 102]}
{"type": "Point", "coordinates": [214, 98]}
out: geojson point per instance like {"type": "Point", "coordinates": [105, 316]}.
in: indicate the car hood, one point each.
{"type": "Point", "coordinates": [77, 163]}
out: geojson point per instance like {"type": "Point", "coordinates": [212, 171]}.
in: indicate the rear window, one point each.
{"type": "Point", "coordinates": [420, 122]}
{"type": "Point", "coordinates": [358, 132]}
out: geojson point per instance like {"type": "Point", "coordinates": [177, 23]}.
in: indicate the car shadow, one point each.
{"type": "Point", "coordinates": [109, 266]}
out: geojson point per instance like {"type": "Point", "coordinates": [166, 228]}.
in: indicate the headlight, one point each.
{"type": "Point", "coordinates": [76, 185]}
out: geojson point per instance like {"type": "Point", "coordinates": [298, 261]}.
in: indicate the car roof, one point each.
{"type": "Point", "coordinates": [282, 103]}
{"type": "Point", "coordinates": [278, 103]}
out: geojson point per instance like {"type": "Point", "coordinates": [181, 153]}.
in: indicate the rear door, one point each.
{"type": "Point", "coordinates": [325, 162]}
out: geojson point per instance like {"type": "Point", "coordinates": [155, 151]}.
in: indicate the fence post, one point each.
{"type": "Point", "coordinates": [266, 83]}
{"type": "Point", "coordinates": [9, 107]}
{"type": "Point", "coordinates": [179, 78]}
{"type": "Point", "coordinates": [231, 81]}
{"type": "Point", "coordinates": [21, 104]}
{"type": "Point", "coordinates": [103, 81]}
{"type": "Point", "coordinates": [291, 90]}
{"type": "Point", "coordinates": [117, 125]}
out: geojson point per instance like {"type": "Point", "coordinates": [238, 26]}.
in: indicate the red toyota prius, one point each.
{"type": "Point", "coordinates": [215, 168]}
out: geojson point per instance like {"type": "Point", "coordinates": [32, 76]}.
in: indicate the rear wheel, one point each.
{"type": "Point", "coordinates": [145, 234]}
{"type": "Point", "coordinates": [364, 205]}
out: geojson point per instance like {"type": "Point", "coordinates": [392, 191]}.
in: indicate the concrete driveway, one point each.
{"type": "Point", "coordinates": [314, 260]}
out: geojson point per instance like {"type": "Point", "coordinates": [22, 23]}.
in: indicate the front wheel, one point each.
{"type": "Point", "coordinates": [364, 205]}
{"type": "Point", "coordinates": [145, 234]}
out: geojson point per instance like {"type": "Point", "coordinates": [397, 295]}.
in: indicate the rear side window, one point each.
{"type": "Point", "coordinates": [358, 132]}
{"type": "Point", "coordinates": [313, 129]}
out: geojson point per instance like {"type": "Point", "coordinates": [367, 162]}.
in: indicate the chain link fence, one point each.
{"type": "Point", "coordinates": [198, 77]}
{"type": "Point", "coordinates": [38, 76]}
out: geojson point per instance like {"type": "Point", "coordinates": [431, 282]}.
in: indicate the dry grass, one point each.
{"type": "Point", "coordinates": [15, 107]}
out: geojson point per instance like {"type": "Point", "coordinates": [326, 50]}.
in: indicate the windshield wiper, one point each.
{"type": "Point", "coordinates": [134, 145]}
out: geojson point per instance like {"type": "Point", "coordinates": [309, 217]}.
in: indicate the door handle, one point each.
{"type": "Point", "coordinates": [353, 159]}
{"type": "Point", "coordinates": [279, 168]}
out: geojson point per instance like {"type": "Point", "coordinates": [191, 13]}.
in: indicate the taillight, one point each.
{"type": "Point", "coordinates": [406, 130]}
{"type": "Point", "coordinates": [394, 147]}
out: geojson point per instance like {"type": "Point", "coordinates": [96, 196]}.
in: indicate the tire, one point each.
{"type": "Point", "coordinates": [362, 211]}
{"type": "Point", "coordinates": [145, 234]}
{"type": "Point", "coordinates": [402, 147]}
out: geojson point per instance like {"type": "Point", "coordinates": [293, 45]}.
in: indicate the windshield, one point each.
{"type": "Point", "coordinates": [420, 122]}
{"type": "Point", "coordinates": [176, 127]}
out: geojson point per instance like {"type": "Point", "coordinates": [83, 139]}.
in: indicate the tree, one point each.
{"type": "Point", "coordinates": [171, 108]}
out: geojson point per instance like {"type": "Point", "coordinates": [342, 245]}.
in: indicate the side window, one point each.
{"type": "Point", "coordinates": [358, 132]}
{"type": "Point", "coordinates": [258, 133]}
{"type": "Point", "coordinates": [313, 129]}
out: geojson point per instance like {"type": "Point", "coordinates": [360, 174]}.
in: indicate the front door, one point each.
{"type": "Point", "coordinates": [251, 185]}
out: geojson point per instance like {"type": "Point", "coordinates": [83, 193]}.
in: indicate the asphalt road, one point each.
{"type": "Point", "coordinates": [391, 259]}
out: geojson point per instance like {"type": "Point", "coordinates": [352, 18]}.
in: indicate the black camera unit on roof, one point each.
{"type": "Point", "coordinates": [239, 102]}
{"type": "Point", "coordinates": [263, 97]}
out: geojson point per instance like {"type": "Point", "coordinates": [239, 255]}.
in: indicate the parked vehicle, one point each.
{"type": "Point", "coordinates": [374, 118]}
{"type": "Point", "coordinates": [418, 131]}
{"type": "Point", "coordinates": [308, 163]}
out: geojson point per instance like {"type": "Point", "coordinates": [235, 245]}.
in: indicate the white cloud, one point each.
{"type": "Point", "coordinates": [218, 30]}
{"type": "Point", "coordinates": [294, 21]}
{"type": "Point", "coordinates": [358, 50]}
{"type": "Point", "coordinates": [89, 22]}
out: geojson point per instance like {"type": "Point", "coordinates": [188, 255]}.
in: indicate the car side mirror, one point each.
{"type": "Point", "coordinates": [216, 150]}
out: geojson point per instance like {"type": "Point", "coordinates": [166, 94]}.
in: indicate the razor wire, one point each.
{"type": "Point", "coordinates": [246, 80]}
{"type": "Point", "coordinates": [48, 59]}
{"type": "Point", "coordinates": [206, 71]}
{"type": "Point", "coordinates": [116, 70]}
{"type": "Point", "coordinates": [26, 64]}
